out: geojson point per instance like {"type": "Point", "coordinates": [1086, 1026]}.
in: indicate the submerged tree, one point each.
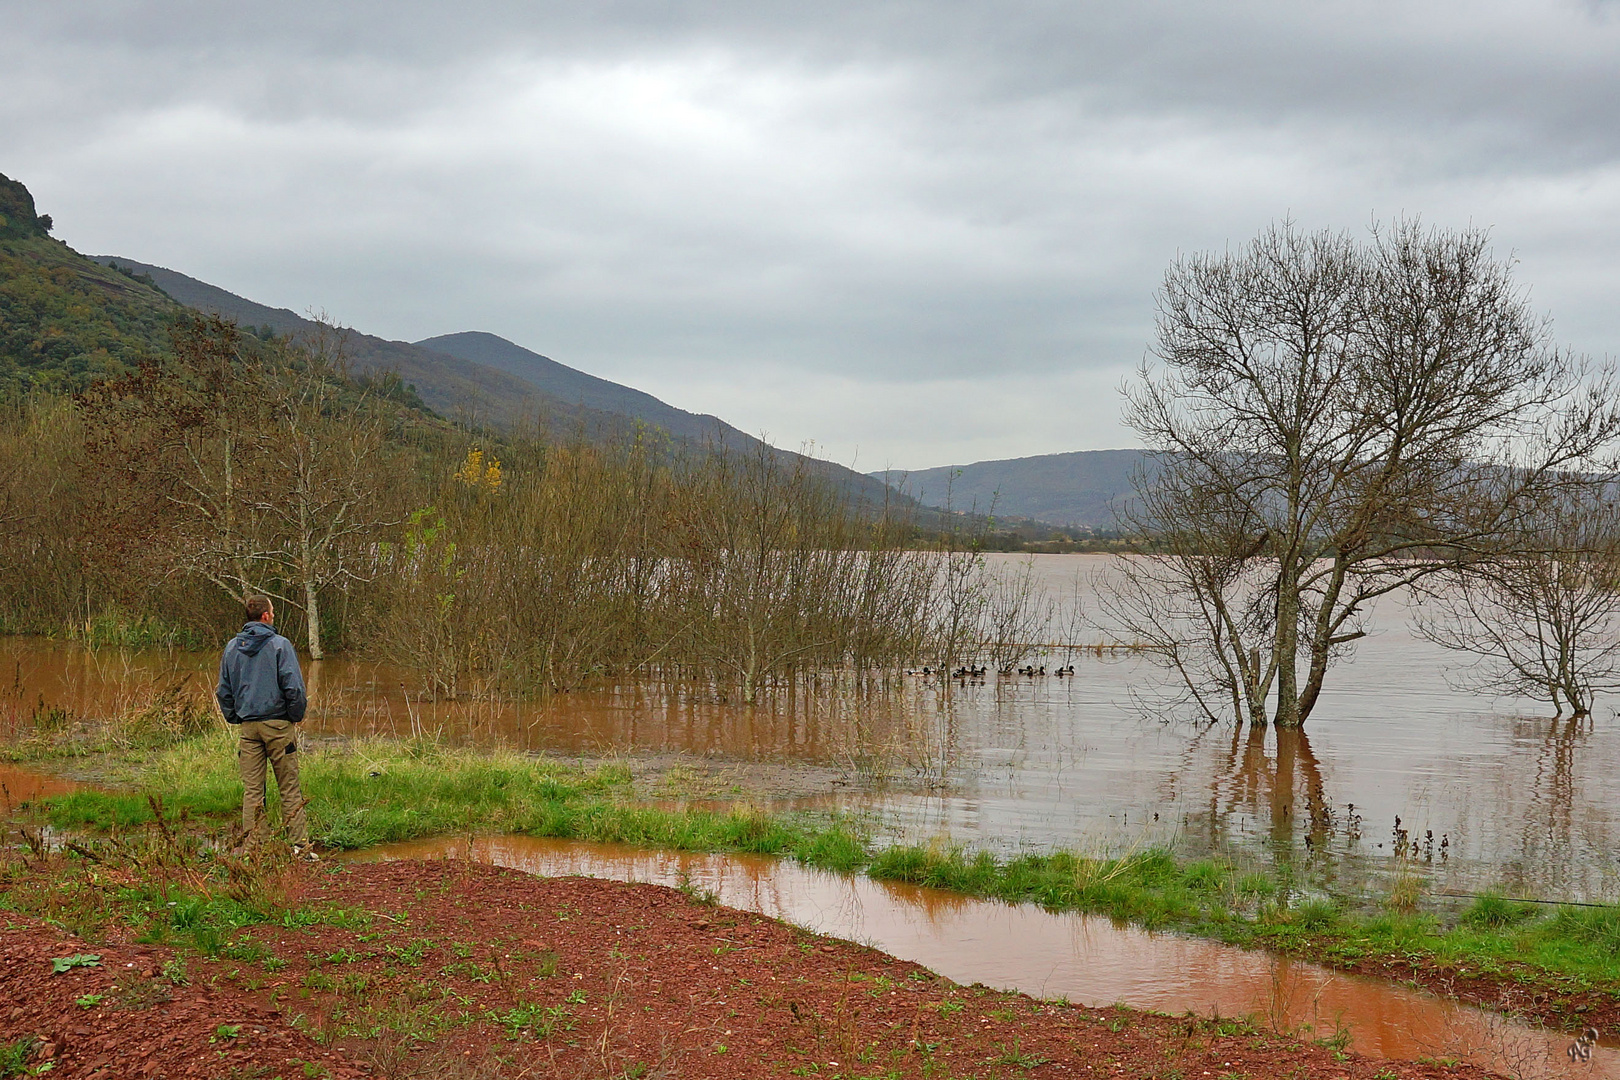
{"type": "Point", "coordinates": [1545, 621]}
{"type": "Point", "coordinates": [325, 458]}
{"type": "Point", "coordinates": [1335, 420]}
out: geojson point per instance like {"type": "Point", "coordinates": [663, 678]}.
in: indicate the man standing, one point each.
{"type": "Point", "coordinates": [261, 691]}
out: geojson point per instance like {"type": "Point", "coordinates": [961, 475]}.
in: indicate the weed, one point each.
{"type": "Point", "coordinates": [355, 983]}
{"type": "Point", "coordinates": [1256, 885]}
{"type": "Point", "coordinates": [1492, 912]}
{"type": "Point", "coordinates": [532, 1019]}
{"type": "Point", "coordinates": [1405, 892]}
{"type": "Point", "coordinates": [14, 1057]}
{"type": "Point", "coordinates": [136, 992]}
{"type": "Point", "coordinates": [62, 964]}
{"type": "Point", "coordinates": [469, 970]}
{"type": "Point", "coordinates": [696, 893]}
{"type": "Point", "coordinates": [1598, 928]}
{"type": "Point", "coordinates": [1315, 914]}
{"type": "Point", "coordinates": [408, 955]}
{"type": "Point", "coordinates": [319, 981]}
{"type": "Point", "coordinates": [1017, 1057]}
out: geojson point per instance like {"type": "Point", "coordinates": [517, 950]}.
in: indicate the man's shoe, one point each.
{"type": "Point", "coordinates": [305, 852]}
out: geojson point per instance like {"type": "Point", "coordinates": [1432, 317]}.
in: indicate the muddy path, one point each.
{"type": "Point", "coordinates": [453, 969]}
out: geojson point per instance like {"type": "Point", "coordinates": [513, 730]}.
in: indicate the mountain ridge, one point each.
{"type": "Point", "coordinates": [1083, 488]}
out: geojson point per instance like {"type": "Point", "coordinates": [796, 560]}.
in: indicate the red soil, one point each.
{"type": "Point", "coordinates": [137, 1022]}
{"type": "Point", "coordinates": [466, 970]}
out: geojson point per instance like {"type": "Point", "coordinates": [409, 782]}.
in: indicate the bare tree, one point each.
{"type": "Point", "coordinates": [215, 425]}
{"type": "Point", "coordinates": [961, 594]}
{"type": "Point", "coordinates": [1545, 621]}
{"type": "Point", "coordinates": [1335, 420]}
{"type": "Point", "coordinates": [322, 501]}
{"type": "Point", "coordinates": [172, 461]}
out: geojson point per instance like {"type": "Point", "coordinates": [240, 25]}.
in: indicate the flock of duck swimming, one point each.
{"type": "Point", "coordinates": [980, 673]}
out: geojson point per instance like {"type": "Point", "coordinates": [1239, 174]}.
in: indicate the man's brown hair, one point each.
{"type": "Point", "coordinates": [256, 607]}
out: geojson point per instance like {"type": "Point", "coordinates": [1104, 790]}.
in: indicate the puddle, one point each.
{"type": "Point", "coordinates": [1085, 959]}
{"type": "Point", "coordinates": [19, 785]}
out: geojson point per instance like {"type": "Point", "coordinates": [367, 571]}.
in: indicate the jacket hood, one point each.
{"type": "Point", "coordinates": [254, 636]}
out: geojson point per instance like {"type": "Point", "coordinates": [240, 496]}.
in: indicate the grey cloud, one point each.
{"type": "Point", "coordinates": [819, 220]}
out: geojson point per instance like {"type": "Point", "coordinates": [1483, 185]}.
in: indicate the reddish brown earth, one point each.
{"type": "Point", "coordinates": [144, 1023]}
{"type": "Point", "coordinates": [465, 970]}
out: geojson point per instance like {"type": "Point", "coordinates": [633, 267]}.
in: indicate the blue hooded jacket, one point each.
{"type": "Point", "coordinates": [259, 677]}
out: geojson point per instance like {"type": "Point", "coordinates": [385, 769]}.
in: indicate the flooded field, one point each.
{"type": "Point", "coordinates": [1081, 958]}
{"type": "Point", "coordinates": [1490, 794]}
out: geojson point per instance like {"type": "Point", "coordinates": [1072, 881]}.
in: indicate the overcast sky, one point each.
{"type": "Point", "coordinates": [916, 234]}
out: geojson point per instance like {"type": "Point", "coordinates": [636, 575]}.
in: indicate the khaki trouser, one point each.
{"type": "Point", "coordinates": [277, 741]}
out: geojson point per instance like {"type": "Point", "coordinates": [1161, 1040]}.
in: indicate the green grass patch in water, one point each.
{"type": "Point", "coordinates": [377, 791]}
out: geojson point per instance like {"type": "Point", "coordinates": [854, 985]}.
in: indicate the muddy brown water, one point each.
{"type": "Point", "coordinates": [1491, 794]}
{"type": "Point", "coordinates": [19, 786]}
{"type": "Point", "coordinates": [1082, 958]}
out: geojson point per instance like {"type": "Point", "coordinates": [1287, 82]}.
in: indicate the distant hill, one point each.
{"type": "Point", "coordinates": [68, 319]}
{"type": "Point", "coordinates": [1081, 488]}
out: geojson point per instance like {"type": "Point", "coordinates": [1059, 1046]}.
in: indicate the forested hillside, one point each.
{"type": "Point", "coordinates": [467, 391]}
{"type": "Point", "coordinates": [66, 320]}
{"type": "Point", "coordinates": [580, 388]}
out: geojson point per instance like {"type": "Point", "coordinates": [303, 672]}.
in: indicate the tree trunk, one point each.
{"type": "Point", "coordinates": [312, 616]}
{"type": "Point", "coordinates": [312, 609]}
{"type": "Point", "coordinates": [1288, 714]}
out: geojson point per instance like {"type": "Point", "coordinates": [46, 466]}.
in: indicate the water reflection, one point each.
{"type": "Point", "coordinates": [1019, 763]}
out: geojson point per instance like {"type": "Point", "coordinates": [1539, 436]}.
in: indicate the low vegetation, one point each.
{"type": "Point", "coordinates": [374, 791]}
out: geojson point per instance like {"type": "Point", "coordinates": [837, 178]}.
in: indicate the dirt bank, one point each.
{"type": "Point", "coordinates": [452, 969]}
{"type": "Point", "coordinates": [132, 1011]}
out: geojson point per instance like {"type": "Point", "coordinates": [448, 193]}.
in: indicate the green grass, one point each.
{"type": "Point", "coordinates": [14, 1057]}
{"type": "Point", "coordinates": [379, 791]}
{"type": "Point", "coordinates": [170, 717]}
{"type": "Point", "coordinates": [373, 792]}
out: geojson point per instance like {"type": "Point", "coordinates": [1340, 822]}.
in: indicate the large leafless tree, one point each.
{"type": "Point", "coordinates": [1335, 419]}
